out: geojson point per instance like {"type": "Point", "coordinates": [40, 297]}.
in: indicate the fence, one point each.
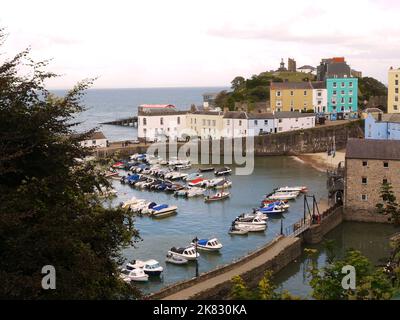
{"type": "Point", "coordinates": [297, 228]}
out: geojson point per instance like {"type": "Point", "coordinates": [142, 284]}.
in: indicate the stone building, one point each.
{"type": "Point", "coordinates": [292, 65]}
{"type": "Point", "coordinates": [369, 164]}
{"type": "Point", "coordinates": [393, 104]}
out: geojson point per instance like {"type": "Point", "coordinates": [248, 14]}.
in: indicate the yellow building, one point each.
{"type": "Point", "coordinates": [205, 124]}
{"type": "Point", "coordinates": [393, 92]}
{"type": "Point", "coordinates": [291, 96]}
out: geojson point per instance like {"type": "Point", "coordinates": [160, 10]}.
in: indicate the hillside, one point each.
{"type": "Point", "coordinates": [256, 88]}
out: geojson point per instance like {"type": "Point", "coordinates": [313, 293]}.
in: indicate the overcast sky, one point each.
{"type": "Point", "coordinates": [160, 43]}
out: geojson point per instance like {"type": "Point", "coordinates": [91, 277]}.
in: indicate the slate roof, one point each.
{"type": "Point", "coordinates": [373, 149]}
{"type": "Point", "coordinates": [291, 85]}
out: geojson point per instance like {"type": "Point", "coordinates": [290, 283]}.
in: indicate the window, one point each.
{"type": "Point", "coordinates": [94, 142]}
{"type": "Point", "coordinates": [195, 120]}
{"type": "Point", "coordinates": [305, 92]}
{"type": "Point", "coordinates": [162, 121]}
{"type": "Point", "coordinates": [214, 122]}
{"type": "Point", "coordinates": [364, 197]}
{"type": "Point", "coordinates": [343, 84]}
{"type": "Point", "coordinates": [394, 107]}
{"type": "Point", "coordinates": [396, 90]}
{"type": "Point", "coordinates": [342, 108]}
{"type": "Point", "coordinates": [386, 164]}
{"type": "Point", "coordinates": [334, 84]}
{"type": "Point", "coordinates": [179, 120]}
{"type": "Point", "coordinates": [319, 94]}
{"type": "Point", "coordinates": [292, 93]}
{"type": "Point", "coordinates": [365, 163]}
{"type": "Point", "coordinates": [351, 84]}
{"type": "Point", "coordinates": [384, 181]}
{"type": "Point", "coordinates": [280, 120]}
{"type": "Point", "coordinates": [240, 122]}
{"type": "Point", "coordinates": [342, 92]}
{"type": "Point", "coordinates": [256, 122]}
{"type": "Point", "coordinates": [396, 82]}
{"type": "Point", "coordinates": [278, 93]}
{"type": "Point", "coordinates": [364, 180]}
{"type": "Point", "coordinates": [334, 92]}
{"type": "Point", "coordinates": [208, 122]}
{"type": "Point", "coordinates": [350, 92]}
{"type": "Point", "coordinates": [227, 122]}
{"type": "Point", "coordinates": [144, 121]}
{"type": "Point", "coordinates": [350, 100]}
{"type": "Point", "coordinates": [266, 122]}
{"type": "Point", "coordinates": [204, 122]}
{"type": "Point", "coordinates": [291, 109]}
{"type": "Point", "coordinates": [342, 100]}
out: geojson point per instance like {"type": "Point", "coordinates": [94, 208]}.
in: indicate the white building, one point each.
{"type": "Point", "coordinates": [241, 124]}
{"type": "Point", "coordinates": [235, 124]}
{"type": "Point", "coordinates": [96, 140]}
{"type": "Point", "coordinates": [160, 121]}
{"type": "Point", "coordinates": [320, 97]}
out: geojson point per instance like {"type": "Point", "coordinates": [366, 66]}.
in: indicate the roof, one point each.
{"type": "Point", "coordinates": [156, 106]}
{"type": "Point", "coordinates": [373, 149]}
{"type": "Point", "coordinates": [307, 67]}
{"type": "Point", "coordinates": [289, 114]}
{"type": "Point", "coordinates": [235, 115]}
{"type": "Point", "coordinates": [319, 85]}
{"type": "Point", "coordinates": [290, 85]}
{"type": "Point", "coordinates": [162, 112]}
{"type": "Point", "coordinates": [371, 110]}
{"type": "Point", "coordinates": [394, 118]}
{"type": "Point", "coordinates": [210, 113]}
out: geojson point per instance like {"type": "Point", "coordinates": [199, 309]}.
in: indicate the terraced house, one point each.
{"type": "Point", "coordinates": [342, 98]}
{"type": "Point", "coordinates": [205, 124]}
{"type": "Point", "coordinates": [291, 96]}
{"type": "Point", "coordinates": [393, 91]}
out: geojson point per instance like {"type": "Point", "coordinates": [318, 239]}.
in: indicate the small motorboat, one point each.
{"type": "Point", "coordinates": [271, 208]}
{"type": "Point", "coordinates": [223, 184]}
{"type": "Point", "coordinates": [218, 196]}
{"type": "Point", "coordinates": [302, 189]}
{"type": "Point", "coordinates": [283, 195]}
{"type": "Point", "coordinates": [250, 223]}
{"type": "Point", "coordinates": [150, 267]}
{"type": "Point", "coordinates": [206, 169]}
{"type": "Point", "coordinates": [195, 192]}
{"type": "Point", "coordinates": [192, 176]}
{"type": "Point", "coordinates": [189, 253]}
{"type": "Point", "coordinates": [223, 171]}
{"type": "Point", "coordinates": [163, 210]}
{"type": "Point", "coordinates": [238, 231]}
{"type": "Point", "coordinates": [181, 192]}
{"type": "Point", "coordinates": [119, 165]}
{"type": "Point", "coordinates": [134, 275]}
{"type": "Point", "coordinates": [213, 182]}
{"type": "Point", "coordinates": [182, 166]}
{"type": "Point", "coordinates": [172, 258]}
{"type": "Point", "coordinates": [208, 244]}
{"type": "Point", "coordinates": [198, 182]}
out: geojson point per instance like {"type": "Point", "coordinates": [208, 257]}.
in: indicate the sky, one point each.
{"type": "Point", "coordinates": [159, 43]}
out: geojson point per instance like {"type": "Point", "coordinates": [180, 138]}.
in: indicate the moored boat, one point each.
{"type": "Point", "coordinates": [172, 258]}
{"type": "Point", "coordinates": [163, 210]}
{"type": "Point", "coordinates": [134, 275]}
{"type": "Point", "coordinates": [188, 253]}
{"type": "Point", "coordinates": [218, 196]}
{"type": "Point", "coordinates": [302, 189]}
{"type": "Point", "coordinates": [198, 182]}
{"type": "Point", "coordinates": [223, 171]}
{"type": "Point", "coordinates": [207, 169]}
{"type": "Point", "coordinates": [208, 244]}
{"type": "Point", "coordinates": [150, 267]}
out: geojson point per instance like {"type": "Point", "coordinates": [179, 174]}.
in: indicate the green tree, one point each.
{"type": "Point", "coordinates": [237, 83]}
{"type": "Point", "coordinates": [371, 283]}
{"type": "Point", "coordinates": [49, 212]}
{"type": "Point", "coordinates": [389, 205]}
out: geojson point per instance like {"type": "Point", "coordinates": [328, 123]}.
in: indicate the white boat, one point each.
{"type": "Point", "coordinates": [182, 166]}
{"type": "Point", "coordinates": [238, 231]}
{"type": "Point", "coordinates": [251, 223]}
{"type": "Point", "coordinates": [189, 253]}
{"type": "Point", "coordinates": [218, 196]}
{"type": "Point", "coordinates": [150, 267]}
{"type": "Point", "coordinates": [192, 176]}
{"type": "Point", "coordinates": [163, 210]}
{"type": "Point", "coordinates": [134, 275]}
{"type": "Point", "coordinates": [213, 182]}
{"type": "Point", "coordinates": [223, 185]}
{"type": "Point", "coordinates": [198, 182]}
{"type": "Point", "coordinates": [175, 175]}
{"type": "Point", "coordinates": [172, 258]}
{"type": "Point", "coordinates": [283, 196]}
{"type": "Point", "coordinates": [292, 189]}
{"type": "Point", "coordinates": [208, 244]}
{"type": "Point", "coordinates": [223, 171]}
{"type": "Point", "coordinates": [195, 192]}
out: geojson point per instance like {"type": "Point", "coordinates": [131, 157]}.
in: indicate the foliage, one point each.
{"type": "Point", "coordinates": [49, 212]}
{"type": "Point", "coordinates": [371, 283]}
{"type": "Point", "coordinates": [389, 205]}
{"type": "Point", "coordinates": [265, 290]}
{"type": "Point", "coordinates": [369, 87]}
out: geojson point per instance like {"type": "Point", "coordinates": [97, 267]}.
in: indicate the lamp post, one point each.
{"type": "Point", "coordinates": [197, 263]}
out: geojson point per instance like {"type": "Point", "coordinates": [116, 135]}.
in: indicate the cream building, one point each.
{"type": "Point", "coordinates": [393, 91]}
{"type": "Point", "coordinates": [205, 124]}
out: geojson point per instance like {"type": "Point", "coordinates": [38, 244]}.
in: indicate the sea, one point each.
{"type": "Point", "coordinates": [196, 218]}
{"type": "Point", "coordinates": [103, 105]}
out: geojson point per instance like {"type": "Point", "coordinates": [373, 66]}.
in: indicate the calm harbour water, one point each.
{"type": "Point", "coordinates": [195, 218]}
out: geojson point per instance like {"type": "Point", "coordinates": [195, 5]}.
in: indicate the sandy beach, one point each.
{"type": "Point", "coordinates": [321, 161]}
